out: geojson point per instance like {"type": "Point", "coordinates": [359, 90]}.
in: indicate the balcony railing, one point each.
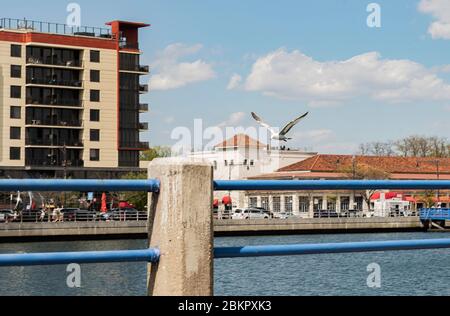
{"type": "Point", "coordinates": [54, 102]}
{"type": "Point", "coordinates": [54, 28]}
{"type": "Point", "coordinates": [143, 107]}
{"type": "Point", "coordinates": [55, 82]}
{"type": "Point", "coordinates": [143, 126]}
{"type": "Point", "coordinates": [143, 88]}
{"type": "Point", "coordinates": [53, 143]}
{"type": "Point", "coordinates": [47, 162]}
{"type": "Point", "coordinates": [136, 145]}
{"type": "Point", "coordinates": [128, 45]}
{"type": "Point", "coordinates": [53, 62]}
{"type": "Point", "coordinates": [143, 69]}
{"type": "Point", "coordinates": [54, 122]}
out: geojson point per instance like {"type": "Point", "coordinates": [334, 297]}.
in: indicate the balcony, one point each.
{"type": "Point", "coordinates": [54, 102]}
{"type": "Point", "coordinates": [54, 28]}
{"type": "Point", "coordinates": [135, 145]}
{"type": "Point", "coordinates": [143, 107]}
{"type": "Point", "coordinates": [143, 88]}
{"type": "Point", "coordinates": [143, 126]}
{"type": "Point", "coordinates": [55, 82]}
{"type": "Point", "coordinates": [55, 122]}
{"type": "Point", "coordinates": [39, 142]}
{"type": "Point", "coordinates": [36, 61]}
{"type": "Point", "coordinates": [49, 162]}
{"type": "Point", "coordinates": [128, 45]}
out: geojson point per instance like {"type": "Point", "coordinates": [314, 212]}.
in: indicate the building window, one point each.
{"type": "Point", "coordinates": [95, 154]}
{"type": "Point", "coordinates": [226, 163]}
{"type": "Point", "coordinates": [16, 71]}
{"type": "Point", "coordinates": [14, 153]}
{"type": "Point", "coordinates": [16, 92]}
{"type": "Point", "coordinates": [265, 203]}
{"type": "Point", "coordinates": [95, 56]}
{"type": "Point", "coordinates": [252, 163]}
{"type": "Point", "coordinates": [95, 95]}
{"type": "Point", "coordinates": [303, 204]}
{"type": "Point", "coordinates": [276, 204]}
{"type": "Point", "coordinates": [95, 115]}
{"type": "Point", "coordinates": [95, 75]}
{"type": "Point", "coordinates": [345, 203]}
{"type": "Point", "coordinates": [14, 133]}
{"type": "Point", "coordinates": [231, 162]}
{"type": "Point", "coordinates": [95, 135]}
{"type": "Point", "coordinates": [253, 202]}
{"type": "Point", "coordinates": [15, 112]}
{"type": "Point", "coordinates": [288, 207]}
{"type": "Point", "coordinates": [318, 203]}
{"type": "Point", "coordinates": [359, 201]}
{"type": "Point", "coordinates": [331, 204]}
{"type": "Point", "coordinates": [215, 165]}
{"type": "Point", "coordinates": [16, 50]}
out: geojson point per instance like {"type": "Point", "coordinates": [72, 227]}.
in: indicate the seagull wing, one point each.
{"type": "Point", "coordinates": [288, 127]}
{"type": "Point", "coordinates": [262, 123]}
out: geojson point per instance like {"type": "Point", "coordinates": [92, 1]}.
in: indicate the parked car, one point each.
{"type": "Point", "coordinates": [6, 216]}
{"type": "Point", "coordinates": [281, 215]}
{"type": "Point", "coordinates": [250, 213]}
{"type": "Point", "coordinates": [32, 216]}
{"type": "Point", "coordinates": [126, 214]}
{"type": "Point", "coordinates": [76, 214]}
{"type": "Point", "coordinates": [326, 214]}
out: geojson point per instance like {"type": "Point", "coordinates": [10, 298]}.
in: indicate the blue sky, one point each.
{"type": "Point", "coordinates": [360, 84]}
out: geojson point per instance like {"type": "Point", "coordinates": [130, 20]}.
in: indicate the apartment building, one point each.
{"type": "Point", "coordinates": [70, 99]}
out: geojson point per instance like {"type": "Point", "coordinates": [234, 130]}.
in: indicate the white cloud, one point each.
{"type": "Point", "coordinates": [234, 82]}
{"type": "Point", "coordinates": [173, 73]}
{"type": "Point", "coordinates": [293, 75]}
{"type": "Point", "coordinates": [233, 120]}
{"type": "Point", "coordinates": [440, 10]}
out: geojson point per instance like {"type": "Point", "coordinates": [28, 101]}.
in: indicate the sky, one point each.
{"type": "Point", "coordinates": [220, 60]}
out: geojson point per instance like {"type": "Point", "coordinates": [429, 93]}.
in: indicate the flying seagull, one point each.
{"type": "Point", "coordinates": [281, 136]}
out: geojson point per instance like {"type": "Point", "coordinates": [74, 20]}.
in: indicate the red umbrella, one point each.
{"type": "Point", "coordinates": [104, 208]}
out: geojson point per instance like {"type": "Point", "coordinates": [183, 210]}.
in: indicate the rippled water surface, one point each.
{"type": "Point", "coordinates": [402, 273]}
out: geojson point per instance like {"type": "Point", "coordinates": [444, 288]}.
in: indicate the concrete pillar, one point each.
{"type": "Point", "coordinates": [282, 204]}
{"type": "Point", "coordinates": [325, 202]}
{"type": "Point", "coordinates": [311, 206]}
{"type": "Point", "coordinates": [295, 204]}
{"type": "Point", "coordinates": [352, 201]}
{"type": "Point", "coordinates": [259, 204]}
{"type": "Point", "coordinates": [181, 227]}
{"type": "Point", "coordinates": [338, 203]}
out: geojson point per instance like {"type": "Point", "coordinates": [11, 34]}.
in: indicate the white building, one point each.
{"type": "Point", "coordinates": [242, 157]}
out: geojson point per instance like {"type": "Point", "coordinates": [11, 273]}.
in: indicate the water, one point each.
{"type": "Point", "coordinates": [403, 273]}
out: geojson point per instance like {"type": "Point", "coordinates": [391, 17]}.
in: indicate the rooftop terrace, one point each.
{"type": "Point", "coordinates": [54, 28]}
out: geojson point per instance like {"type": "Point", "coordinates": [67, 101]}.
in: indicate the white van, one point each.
{"type": "Point", "coordinates": [250, 213]}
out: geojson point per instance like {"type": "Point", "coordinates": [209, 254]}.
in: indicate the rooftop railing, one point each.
{"type": "Point", "coordinates": [181, 244]}
{"type": "Point", "coordinates": [54, 28]}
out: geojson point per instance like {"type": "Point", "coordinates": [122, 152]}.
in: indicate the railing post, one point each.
{"type": "Point", "coordinates": [181, 226]}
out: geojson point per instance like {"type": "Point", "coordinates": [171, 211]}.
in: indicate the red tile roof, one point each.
{"type": "Point", "coordinates": [241, 141]}
{"type": "Point", "coordinates": [392, 165]}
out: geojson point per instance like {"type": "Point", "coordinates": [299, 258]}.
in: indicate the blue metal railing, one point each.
{"type": "Point", "coordinates": [145, 255]}
{"type": "Point", "coordinates": [309, 249]}
{"type": "Point", "coordinates": [435, 214]}
{"type": "Point", "coordinates": [151, 185]}
{"type": "Point", "coordinates": [152, 255]}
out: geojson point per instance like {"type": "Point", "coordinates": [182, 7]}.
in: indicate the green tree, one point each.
{"type": "Point", "coordinates": [140, 199]}
{"type": "Point", "coordinates": [156, 152]}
